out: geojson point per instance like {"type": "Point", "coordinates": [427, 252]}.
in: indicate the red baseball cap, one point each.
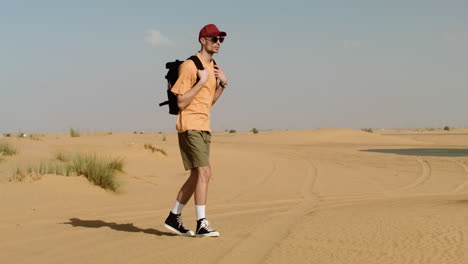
{"type": "Point", "coordinates": [211, 30]}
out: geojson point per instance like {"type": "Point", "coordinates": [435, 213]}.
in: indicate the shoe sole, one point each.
{"type": "Point", "coordinates": [211, 234]}
{"type": "Point", "coordinates": [188, 234]}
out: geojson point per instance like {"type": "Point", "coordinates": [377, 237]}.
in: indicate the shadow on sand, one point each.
{"type": "Point", "coordinates": [441, 152]}
{"type": "Point", "coordinates": [119, 227]}
{"type": "Point", "coordinates": [463, 202]}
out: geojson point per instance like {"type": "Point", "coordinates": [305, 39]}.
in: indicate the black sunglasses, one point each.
{"type": "Point", "coordinates": [215, 39]}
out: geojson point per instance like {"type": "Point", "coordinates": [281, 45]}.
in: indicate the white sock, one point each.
{"type": "Point", "coordinates": [200, 211]}
{"type": "Point", "coordinates": [177, 209]}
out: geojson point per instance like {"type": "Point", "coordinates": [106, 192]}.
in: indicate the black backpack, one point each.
{"type": "Point", "coordinates": [172, 76]}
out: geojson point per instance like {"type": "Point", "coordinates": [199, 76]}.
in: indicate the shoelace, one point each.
{"type": "Point", "coordinates": [205, 224]}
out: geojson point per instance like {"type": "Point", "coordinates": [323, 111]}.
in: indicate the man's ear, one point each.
{"type": "Point", "coordinates": [202, 40]}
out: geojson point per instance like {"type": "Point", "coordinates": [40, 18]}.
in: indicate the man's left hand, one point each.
{"type": "Point", "coordinates": [220, 75]}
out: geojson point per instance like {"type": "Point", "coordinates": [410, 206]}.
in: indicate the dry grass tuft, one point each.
{"type": "Point", "coordinates": [63, 157]}
{"type": "Point", "coordinates": [35, 137]}
{"type": "Point", "coordinates": [6, 149]}
{"type": "Point", "coordinates": [153, 149]}
{"type": "Point", "coordinates": [74, 132]}
{"type": "Point", "coordinates": [99, 171]}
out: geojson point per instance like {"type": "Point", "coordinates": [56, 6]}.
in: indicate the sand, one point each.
{"type": "Point", "coordinates": [313, 196]}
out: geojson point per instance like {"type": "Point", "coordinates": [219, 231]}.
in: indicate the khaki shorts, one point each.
{"type": "Point", "coordinates": [195, 148]}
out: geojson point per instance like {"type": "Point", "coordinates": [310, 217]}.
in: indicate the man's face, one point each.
{"type": "Point", "coordinates": [212, 44]}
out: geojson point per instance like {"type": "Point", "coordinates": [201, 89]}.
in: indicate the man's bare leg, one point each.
{"type": "Point", "coordinates": [201, 194]}
{"type": "Point", "coordinates": [174, 220]}
{"type": "Point", "coordinates": [201, 190]}
{"type": "Point", "coordinates": [187, 190]}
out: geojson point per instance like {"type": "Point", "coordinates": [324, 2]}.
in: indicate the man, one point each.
{"type": "Point", "coordinates": [197, 90]}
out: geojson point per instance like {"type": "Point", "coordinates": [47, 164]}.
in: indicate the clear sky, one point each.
{"type": "Point", "coordinates": [99, 65]}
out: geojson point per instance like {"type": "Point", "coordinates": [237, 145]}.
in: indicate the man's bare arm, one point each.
{"type": "Point", "coordinates": [219, 74]}
{"type": "Point", "coordinates": [183, 100]}
{"type": "Point", "coordinates": [218, 92]}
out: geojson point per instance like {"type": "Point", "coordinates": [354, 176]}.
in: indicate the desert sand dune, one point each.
{"type": "Point", "coordinates": [312, 196]}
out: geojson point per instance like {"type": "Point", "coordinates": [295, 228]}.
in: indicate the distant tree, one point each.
{"type": "Point", "coordinates": [446, 128]}
{"type": "Point", "coordinates": [254, 130]}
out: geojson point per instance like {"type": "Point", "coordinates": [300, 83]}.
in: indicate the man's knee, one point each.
{"type": "Point", "coordinates": [204, 173]}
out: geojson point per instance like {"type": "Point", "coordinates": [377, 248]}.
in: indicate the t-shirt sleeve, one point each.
{"type": "Point", "coordinates": [187, 77]}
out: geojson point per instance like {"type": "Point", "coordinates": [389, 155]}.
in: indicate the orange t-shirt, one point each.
{"type": "Point", "coordinates": [196, 115]}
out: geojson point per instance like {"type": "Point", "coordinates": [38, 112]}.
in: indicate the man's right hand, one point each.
{"type": "Point", "coordinates": [203, 75]}
{"type": "Point", "coordinates": [183, 100]}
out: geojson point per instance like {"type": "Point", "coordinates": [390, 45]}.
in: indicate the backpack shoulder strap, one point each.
{"type": "Point", "coordinates": [197, 62]}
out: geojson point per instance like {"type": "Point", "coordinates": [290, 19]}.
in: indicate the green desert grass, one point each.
{"type": "Point", "coordinates": [63, 157]}
{"type": "Point", "coordinates": [153, 149]}
{"type": "Point", "coordinates": [74, 132]}
{"type": "Point", "coordinates": [99, 171]}
{"type": "Point", "coordinates": [22, 174]}
{"type": "Point", "coordinates": [6, 149]}
{"type": "Point", "coordinates": [35, 172]}
{"type": "Point", "coordinates": [35, 137]}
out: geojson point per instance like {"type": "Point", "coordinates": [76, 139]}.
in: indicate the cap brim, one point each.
{"type": "Point", "coordinates": [222, 34]}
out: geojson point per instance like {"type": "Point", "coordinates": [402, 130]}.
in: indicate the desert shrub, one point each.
{"type": "Point", "coordinates": [164, 138]}
{"type": "Point", "coordinates": [34, 137]}
{"type": "Point", "coordinates": [6, 149]}
{"type": "Point", "coordinates": [232, 131]}
{"type": "Point", "coordinates": [116, 164]}
{"type": "Point", "coordinates": [35, 173]}
{"type": "Point", "coordinates": [446, 128]}
{"type": "Point", "coordinates": [99, 171]}
{"type": "Point", "coordinates": [368, 130]}
{"type": "Point", "coordinates": [254, 130]}
{"type": "Point", "coordinates": [74, 132]}
{"type": "Point", "coordinates": [60, 156]}
{"type": "Point", "coordinates": [49, 168]}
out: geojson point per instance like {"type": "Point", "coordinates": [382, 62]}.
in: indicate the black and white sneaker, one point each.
{"type": "Point", "coordinates": [174, 223]}
{"type": "Point", "coordinates": [204, 229]}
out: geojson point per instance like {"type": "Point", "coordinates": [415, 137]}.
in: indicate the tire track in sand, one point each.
{"type": "Point", "coordinates": [464, 184]}
{"type": "Point", "coordinates": [264, 179]}
{"type": "Point", "coordinates": [263, 239]}
{"type": "Point", "coordinates": [425, 175]}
